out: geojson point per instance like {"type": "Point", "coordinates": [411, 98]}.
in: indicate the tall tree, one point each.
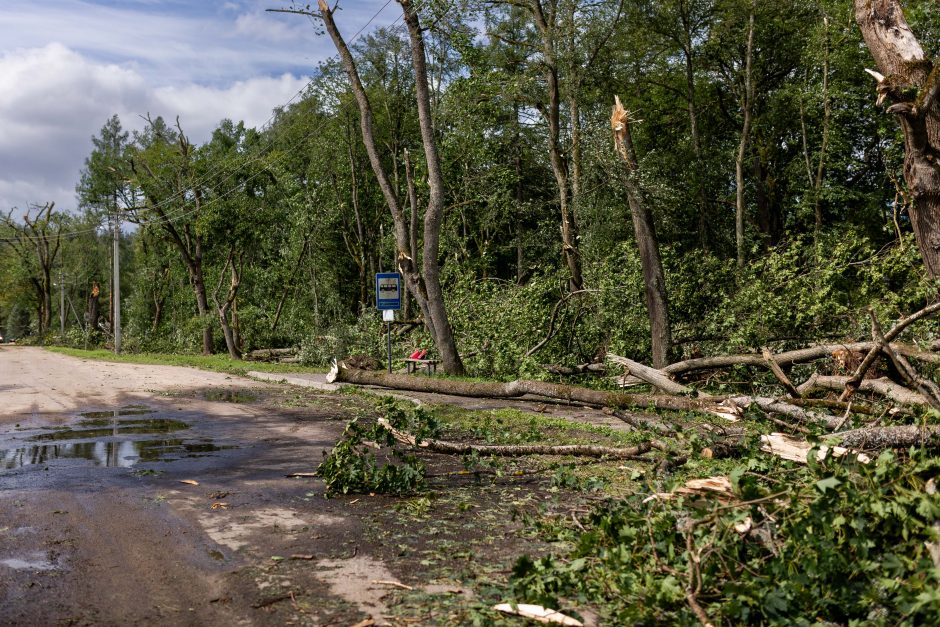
{"type": "Point", "coordinates": [424, 284]}
{"type": "Point", "coordinates": [164, 169]}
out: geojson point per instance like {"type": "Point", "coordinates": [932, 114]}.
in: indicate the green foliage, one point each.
{"type": "Point", "coordinates": [352, 468]}
{"type": "Point", "coordinates": [839, 542]}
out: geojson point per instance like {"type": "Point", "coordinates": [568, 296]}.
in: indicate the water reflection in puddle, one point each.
{"type": "Point", "coordinates": [106, 439]}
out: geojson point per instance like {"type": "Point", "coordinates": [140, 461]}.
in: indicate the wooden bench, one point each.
{"type": "Point", "coordinates": [412, 365]}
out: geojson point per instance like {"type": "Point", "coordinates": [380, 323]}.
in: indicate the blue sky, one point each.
{"type": "Point", "coordinates": [67, 65]}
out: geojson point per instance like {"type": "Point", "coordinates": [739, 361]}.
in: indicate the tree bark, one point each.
{"type": "Point", "coordinates": [434, 213]}
{"type": "Point", "coordinates": [547, 28]}
{"type": "Point", "coordinates": [747, 99]}
{"type": "Point", "coordinates": [654, 280]}
{"type": "Point", "coordinates": [910, 82]}
{"type": "Point", "coordinates": [513, 389]}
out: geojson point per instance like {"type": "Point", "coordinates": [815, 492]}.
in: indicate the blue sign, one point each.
{"type": "Point", "coordinates": [388, 291]}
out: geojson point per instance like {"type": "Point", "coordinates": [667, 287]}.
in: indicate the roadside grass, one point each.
{"type": "Point", "coordinates": [216, 363]}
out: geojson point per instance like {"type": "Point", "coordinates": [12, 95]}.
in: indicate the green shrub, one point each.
{"type": "Point", "coordinates": [839, 542]}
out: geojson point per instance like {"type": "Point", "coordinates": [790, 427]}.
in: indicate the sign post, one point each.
{"type": "Point", "coordinates": [388, 301]}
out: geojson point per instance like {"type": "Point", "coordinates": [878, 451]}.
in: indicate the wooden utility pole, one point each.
{"type": "Point", "coordinates": [116, 297]}
{"type": "Point", "coordinates": [61, 305]}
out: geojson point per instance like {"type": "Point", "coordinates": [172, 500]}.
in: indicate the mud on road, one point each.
{"type": "Point", "coordinates": [135, 494]}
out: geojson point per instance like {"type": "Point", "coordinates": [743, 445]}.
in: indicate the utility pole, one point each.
{"type": "Point", "coordinates": [116, 297]}
{"type": "Point", "coordinates": [61, 305]}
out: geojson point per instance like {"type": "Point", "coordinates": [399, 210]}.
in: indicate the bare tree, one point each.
{"type": "Point", "coordinates": [36, 242]}
{"type": "Point", "coordinates": [910, 82]}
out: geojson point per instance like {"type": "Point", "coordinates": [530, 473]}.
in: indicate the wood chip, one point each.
{"type": "Point", "coordinates": [364, 623]}
{"type": "Point", "coordinates": [302, 474]}
{"type": "Point", "coordinates": [189, 481]}
{"type": "Point", "coordinates": [302, 556]}
{"type": "Point", "coordinates": [537, 613]}
{"type": "Point", "coordinates": [220, 505]}
{"type": "Point", "coordinates": [397, 584]}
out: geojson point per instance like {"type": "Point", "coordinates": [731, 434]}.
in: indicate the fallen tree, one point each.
{"type": "Point", "coordinates": [340, 373]}
{"type": "Point", "coordinates": [517, 450]}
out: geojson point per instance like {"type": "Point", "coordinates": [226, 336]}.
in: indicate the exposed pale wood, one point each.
{"type": "Point", "coordinates": [786, 447]}
{"type": "Point", "coordinates": [537, 613]}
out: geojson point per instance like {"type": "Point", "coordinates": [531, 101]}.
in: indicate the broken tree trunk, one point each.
{"type": "Point", "coordinates": [494, 450]}
{"type": "Point", "coordinates": [657, 378]}
{"type": "Point", "coordinates": [802, 355]}
{"type": "Point", "coordinates": [904, 436]}
{"type": "Point", "coordinates": [911, 82]}
{"type": "Point", "coordinates": [654, 281]}
{"type": "Point", "coordinates": [883, 387]}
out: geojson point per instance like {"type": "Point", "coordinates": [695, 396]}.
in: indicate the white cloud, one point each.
{"type": "Point", "coordinates": [53, 100]}
{"type": "Point", "coordinates": [66, 66]}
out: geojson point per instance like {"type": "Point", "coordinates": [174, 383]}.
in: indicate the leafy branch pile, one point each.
{"type": "Point", "coordinates": [352, 468]}
{"type": "Point", "coordinates": [835, 543]}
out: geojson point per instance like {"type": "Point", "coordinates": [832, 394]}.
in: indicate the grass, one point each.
{"type": "Point", "coordinates": [216, 363]}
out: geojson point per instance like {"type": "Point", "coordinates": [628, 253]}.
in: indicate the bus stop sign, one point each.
{"type": "Point", "coordinates": [388, 291]}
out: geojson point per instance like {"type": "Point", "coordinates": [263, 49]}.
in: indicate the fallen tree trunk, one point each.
{"type": "Point", "coordinates": [514, 389]}
{"type": "Point", "coordinates": [520, 450]}
{"type": "Point", "coordinates": [567, 371]}
{"type": "Point", "coordinates": [775, 406]}
{"type": "Point", "coordinates": [801, 355]}
{"type": "Point", "coordinates": [786, 447]}
{"type": "Point", "coordinates": [732, 411]}
{"type": "Point", "coordinates": [883, 387]}
{"type": "Point", "coordinates": [904, 436]}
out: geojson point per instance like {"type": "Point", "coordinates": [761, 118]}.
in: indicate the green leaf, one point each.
{"type": "Point", "coordinates": [829, 483]}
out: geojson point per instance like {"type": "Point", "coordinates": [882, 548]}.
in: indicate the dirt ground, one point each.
{"type": "Point", "coordinates": [135, 494]}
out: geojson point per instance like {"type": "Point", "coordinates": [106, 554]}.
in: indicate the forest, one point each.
{"type": "Point", "coordinates": [756, 195]}
{"type": "Point", "coordinates": [731, 204]}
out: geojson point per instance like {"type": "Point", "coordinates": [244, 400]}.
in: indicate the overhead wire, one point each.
{"type": "Point", "coordinates": [263, 153]}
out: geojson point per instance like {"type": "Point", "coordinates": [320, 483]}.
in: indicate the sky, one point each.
{"type": "Point", "coordinates": [66, 66]}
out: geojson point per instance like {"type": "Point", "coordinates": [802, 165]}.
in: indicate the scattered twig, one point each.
{"type": "Point", "coordinates": [463, 448]}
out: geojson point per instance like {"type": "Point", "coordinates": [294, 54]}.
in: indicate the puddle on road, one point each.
{"type": "Point", "coordinates": [106, 439]}
{"type": "Point", "coordinates": [230, 396]}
